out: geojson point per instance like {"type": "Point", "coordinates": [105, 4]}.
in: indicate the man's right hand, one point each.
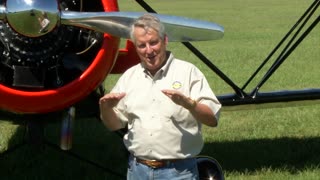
{"type": "Point", "coordinates": [107, 114]}
{"type": "Point", "coordinates": [111, 100]}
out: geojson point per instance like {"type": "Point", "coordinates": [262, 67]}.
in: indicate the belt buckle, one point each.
{"type": "Point", "coordinates": [155, 164]}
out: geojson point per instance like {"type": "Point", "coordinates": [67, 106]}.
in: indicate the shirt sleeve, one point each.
{"type": "Point", "coordinates": [202, 92]}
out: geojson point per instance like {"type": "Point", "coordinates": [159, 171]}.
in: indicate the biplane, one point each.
{"type": "Point", "coordinates": [77, 50]}
{"type": "Point", "coordinates": [60, 52]}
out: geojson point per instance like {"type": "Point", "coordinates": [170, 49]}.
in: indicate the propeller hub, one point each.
{"type": "Point", "coordinates": [32, 18]}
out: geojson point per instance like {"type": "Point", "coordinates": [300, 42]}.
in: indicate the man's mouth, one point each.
{"type": "Point", "coordinates": [151, 58]}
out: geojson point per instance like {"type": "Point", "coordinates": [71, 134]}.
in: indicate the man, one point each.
{"type": "Point", "coordinates": [163, 101]}
{"type": "Point", "coordinates": [44, 22]}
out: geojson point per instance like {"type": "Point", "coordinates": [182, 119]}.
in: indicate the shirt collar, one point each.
{"type": "Point", "coordinates": [166, 66]}
{"type": "Point", "coordinates": [164, 69]}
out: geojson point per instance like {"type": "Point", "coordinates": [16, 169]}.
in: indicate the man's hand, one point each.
{"type": "Point", "coordinates": [180, 99]}
{"type": "Point", "coordinates": [107, 114]}
{"type": "Point", "coordinates": [200, 112]}
{"type": "Point", "coordinates": [111, 100]}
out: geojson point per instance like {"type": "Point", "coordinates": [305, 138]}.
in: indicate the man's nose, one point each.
{"type": "Point", "coordinates": [149, 49]}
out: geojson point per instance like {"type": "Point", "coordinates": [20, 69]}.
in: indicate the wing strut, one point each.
{"type": "Point", "coordinates": [240, 97]}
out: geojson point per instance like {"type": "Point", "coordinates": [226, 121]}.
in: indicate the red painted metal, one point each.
{"type": "Point", "coordinates": [20, 101]}
{"type": "Point", "coordinates": [127, 57]}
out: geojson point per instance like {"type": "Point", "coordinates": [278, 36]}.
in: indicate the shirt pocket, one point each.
{"type": "Point", "coordinates": [152, 122]}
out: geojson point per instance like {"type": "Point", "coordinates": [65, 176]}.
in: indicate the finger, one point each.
{"type": "Point", "coordinates": [168, 92]}
{"type": "Point", "coordinates": [121, 95]}
{"type": "Point", "coordinates": [112, 96]}
{"type": "Point", "coordinates": [168, 95]}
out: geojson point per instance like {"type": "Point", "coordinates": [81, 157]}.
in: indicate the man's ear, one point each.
{"type": "Point", "coordinates": [166, 39]}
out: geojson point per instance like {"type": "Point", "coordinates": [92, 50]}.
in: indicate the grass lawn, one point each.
{"type": "Point", "coordinates": [256, 143]}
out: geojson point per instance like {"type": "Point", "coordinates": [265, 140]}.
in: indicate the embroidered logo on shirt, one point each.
{"type": "Point", "coordinates": [176, 85]}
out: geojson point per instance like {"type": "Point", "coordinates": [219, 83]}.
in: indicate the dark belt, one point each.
{"type": "Point", "coordinates": [156, 163]}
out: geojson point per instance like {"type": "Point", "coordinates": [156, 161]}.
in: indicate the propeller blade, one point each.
{"type": "Point", "coordinates": [179, 29]}
{"type": "Point", "coordinates": [2, 12]}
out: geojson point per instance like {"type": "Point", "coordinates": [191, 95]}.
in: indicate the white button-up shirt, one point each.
{"type": "Point", "coordinates": [157, 127]}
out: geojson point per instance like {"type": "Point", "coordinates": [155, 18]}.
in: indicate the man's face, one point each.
{"type": "Point", "coordinates": [150, 48]}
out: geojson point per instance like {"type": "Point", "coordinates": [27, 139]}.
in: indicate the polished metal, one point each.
{"type": "Point", "coordinates": [209, 168]}
{"type": "Point", "coordinates": [34, 18]}
{"type": "Point", "coordinates": [179, 29]}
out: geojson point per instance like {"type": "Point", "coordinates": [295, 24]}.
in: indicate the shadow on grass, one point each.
{"type": "Point", "coordinates": [292, 154]}
{"type": "Point", "coordinates": [96, 153]}
{"type": "Point", "coordinates": [93, 142]}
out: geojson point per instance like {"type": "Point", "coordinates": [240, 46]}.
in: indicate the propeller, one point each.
{"type": "Point", "coordinates": [41, 17]}
{"type": "Point", "coordinates": [179, 29]}
{"type": "Point", "coordinates": [39, 38]}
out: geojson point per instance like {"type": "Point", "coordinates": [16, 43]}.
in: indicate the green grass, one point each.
{"type": "Point", "coordinates": [255, 143]}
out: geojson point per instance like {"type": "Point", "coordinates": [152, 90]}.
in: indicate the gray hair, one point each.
{"type": "Point", "coordinates": [146, 22]}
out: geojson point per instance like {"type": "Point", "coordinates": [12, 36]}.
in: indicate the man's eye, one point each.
{"type": "Point", "coordinates": [141, 46]}
{"type": "Point", "coordinates": [154, 43]}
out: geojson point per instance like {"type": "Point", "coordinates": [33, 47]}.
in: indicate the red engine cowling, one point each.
{"type": "Point", "coordinates": [49, 100]}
